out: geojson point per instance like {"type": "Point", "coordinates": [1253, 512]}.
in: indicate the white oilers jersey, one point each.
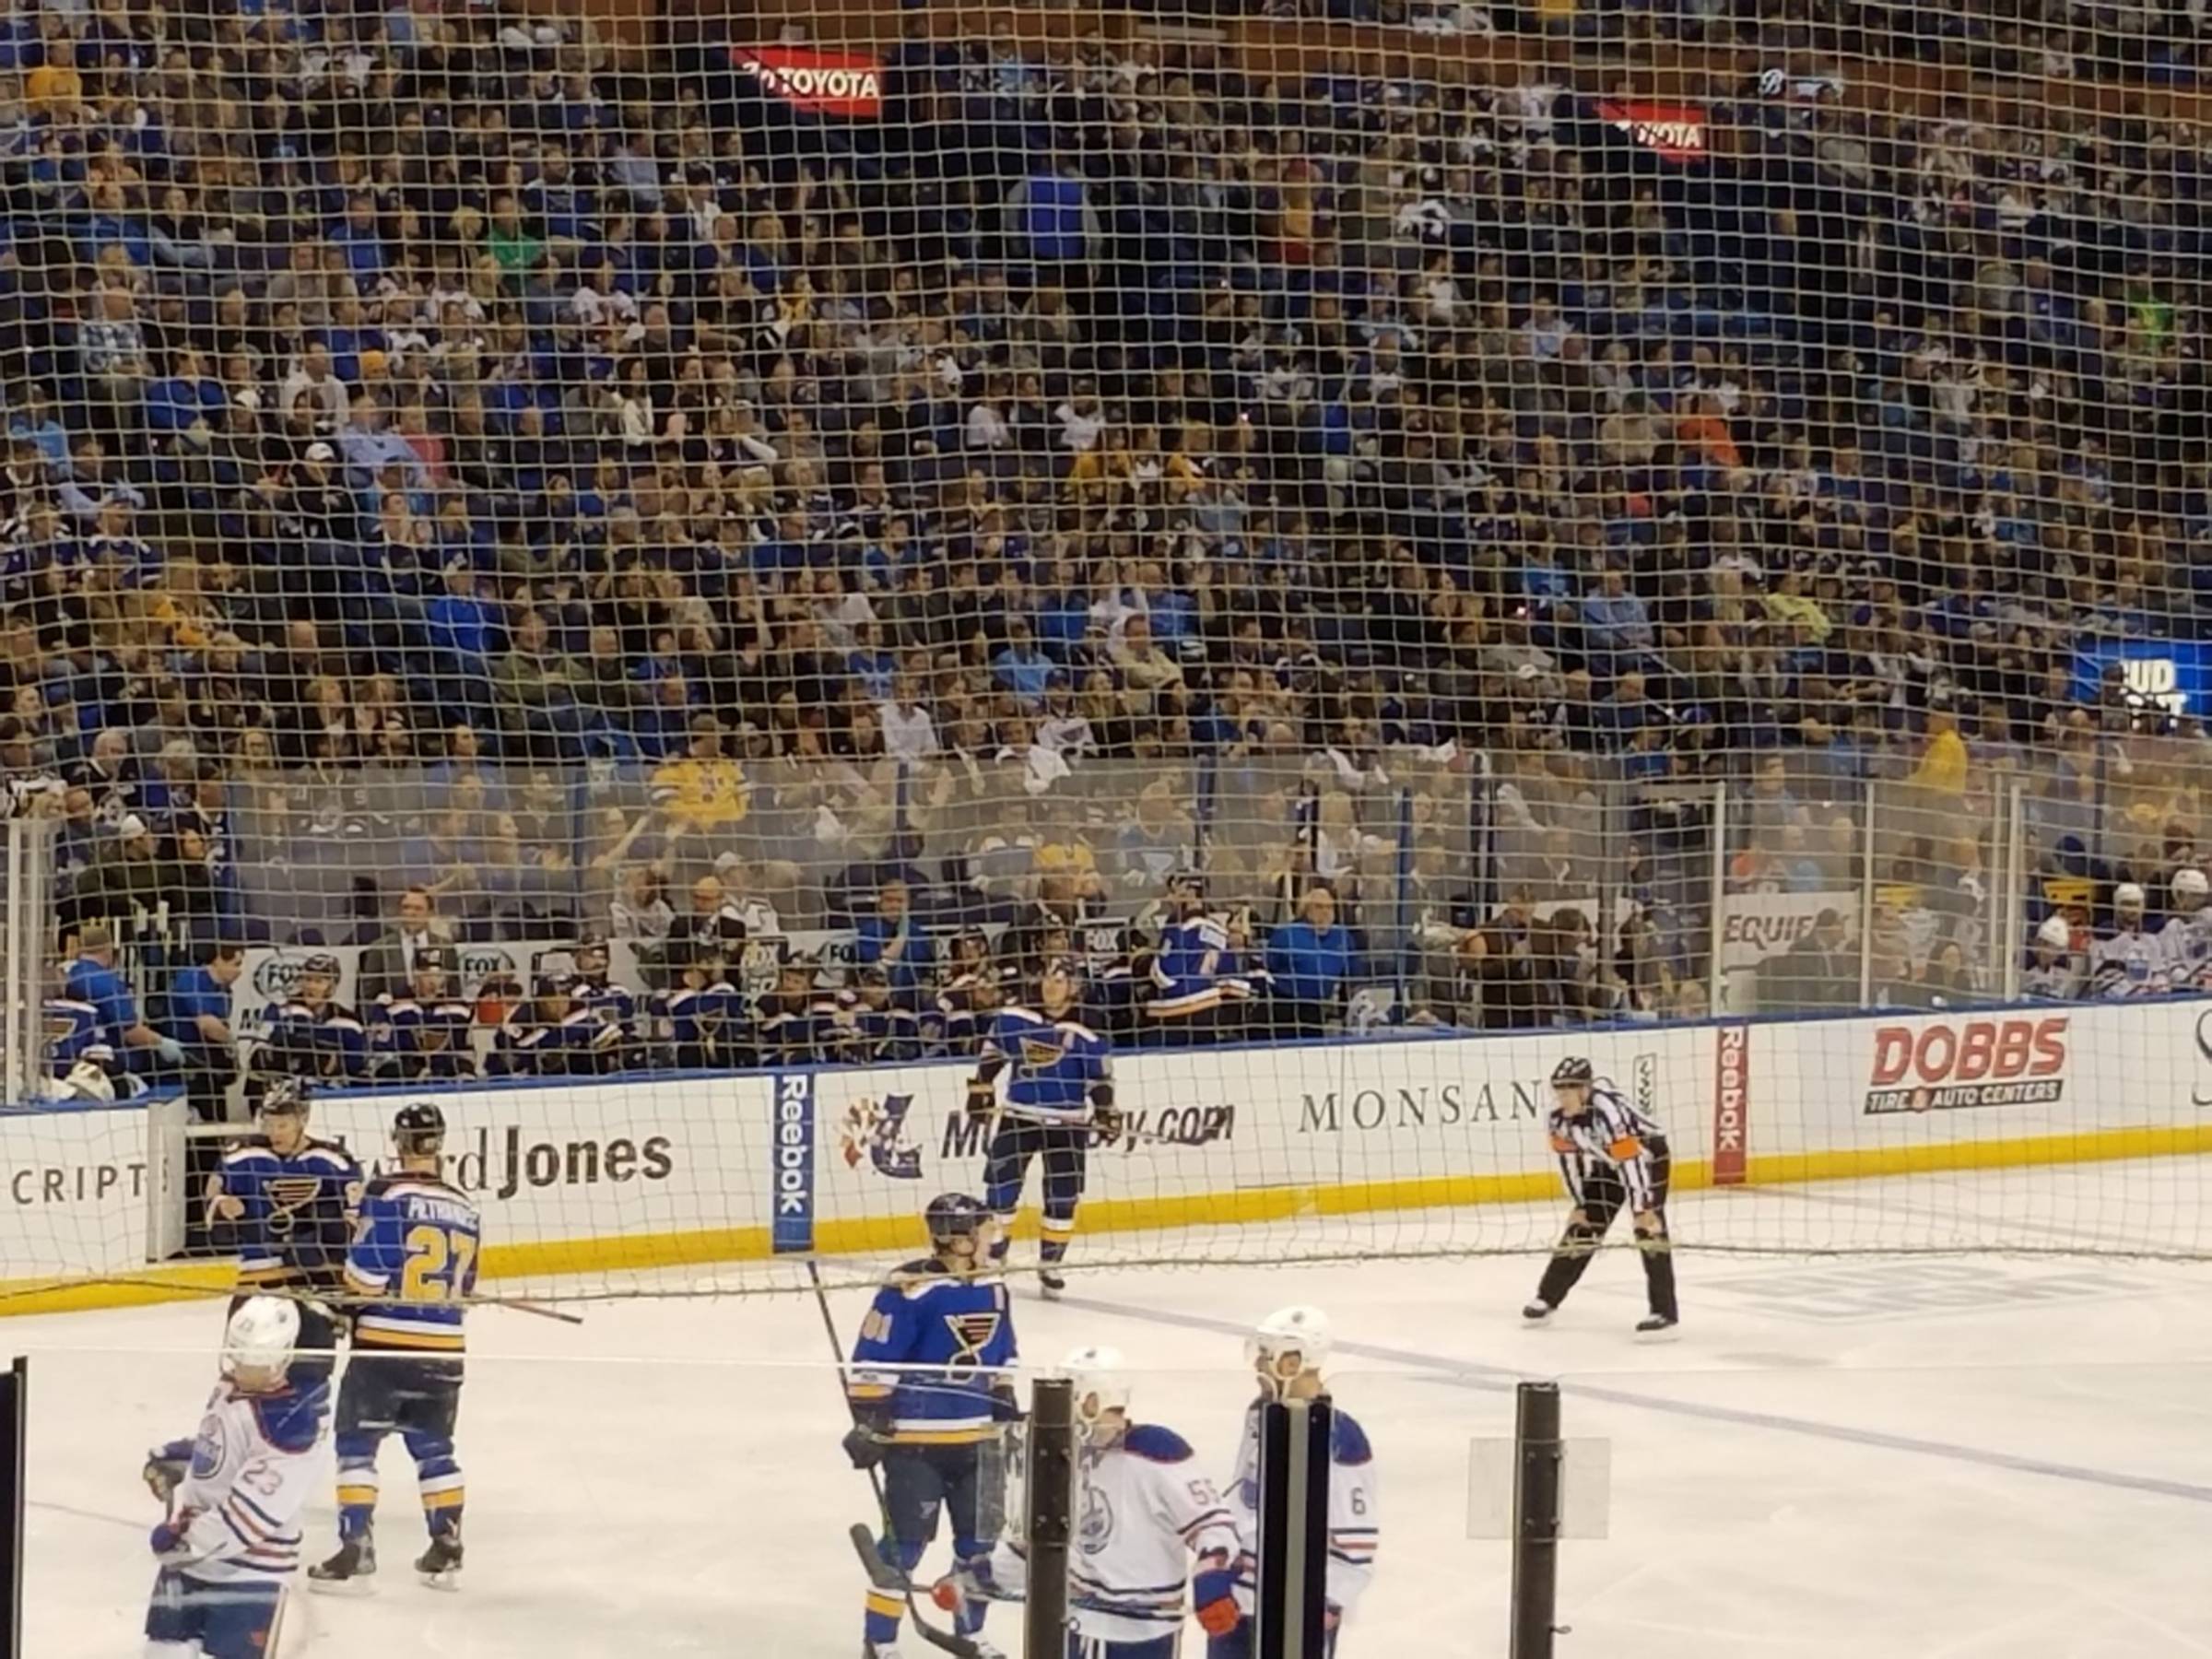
{"type": "Point", "coordinates": [254, 1466]}
{"type": "Point", "coordinates": [2186, 942]}
{"type": "Point", "coordinates": [2061, 982]}
{"type": "Point", "coordinates": [1354, 1517]}
{"type": "Point", "coordinates": [1143, 1511]}
{"type": "Point", "coordinates": [2125, 964]}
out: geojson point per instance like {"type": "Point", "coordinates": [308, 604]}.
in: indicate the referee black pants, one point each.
{"type": "Point", "coordinates": [1604, 1197]}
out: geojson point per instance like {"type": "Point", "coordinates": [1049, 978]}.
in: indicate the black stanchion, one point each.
{"type": "Point", "coordinates": [1050, 1519]}
{"type": "Point", "coordinates": [1290, 1607]}
{"type": "Point", "coordinates": [1539, 1457]}
{"type": "Point", "coordinates": [15, 1437]}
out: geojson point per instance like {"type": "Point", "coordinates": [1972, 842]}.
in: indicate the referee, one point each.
{"type": "Point", "coordinates": [1612, 1158]}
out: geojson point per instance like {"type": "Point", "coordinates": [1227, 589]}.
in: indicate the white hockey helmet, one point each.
{"type": "Point", "coordinates": [259, 1341]}
{"type": "Point", "coordinates": [1296, 1332]}
{"type": "Point", "coordinates": [1101, 1384]}
{"type": "Point", "coordinates": [2189, 882]}
{"type": "Point", "coordinates": [2055, 933]}
{"type": "Point", "coordinates": [2128, 896]}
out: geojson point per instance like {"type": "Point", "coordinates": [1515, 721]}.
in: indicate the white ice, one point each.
{"type": "Point", "coordinates": [1875, 1457]}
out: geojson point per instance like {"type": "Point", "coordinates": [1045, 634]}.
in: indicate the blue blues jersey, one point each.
{"type": "Point", "coordinates": [410, 1038]}
{"type": "Point", "coordinates": [889, 1033]}
{"type": "Point", "coordinates": [797, 1029]}
{"type": "Point", "coordinates": [705, 1024]}
{"type": "Point", "coordinates": [610, 1002]}
{"type": "Point", "coordinates": [928, 1352]}
{"type": "Point", "coordinates": [306, 1041]}
{"type": "Point", "coordinates": [1194, 969]}
{"type": "Point", "coordinates": [581, 1044]}
{"type": "Point", "coordinates": [297, 1209]}
{"type": "Point", "coordinates": [1051, 1065]}
{"type": "Point", "coordinates": [194, 992]}
{"type": "Point", "coordinates": [414, 1263]}
{"type": "Point", "coordinates": [108, 991]}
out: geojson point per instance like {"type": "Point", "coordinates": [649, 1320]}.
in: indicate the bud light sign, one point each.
{"type": "Point", "coordinates": [2169, 677]}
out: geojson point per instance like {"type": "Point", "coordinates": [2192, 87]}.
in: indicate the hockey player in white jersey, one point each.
{"type": "Point", "coordinates": [2052, 975]}
{"type": "Point", "coordinates": [1144, 1516]}
{"type": "Point", "coordinates": [1288, 1351]}
{"type": "Point", "coordinates": [231, 1540]}
{"type": "Point", "coordinates": [2131, 962]}
{"type": "Point", "coordinates": [2186, 939]}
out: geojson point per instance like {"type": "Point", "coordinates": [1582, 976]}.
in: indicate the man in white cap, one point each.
{"type": "Point", "coordinates": [2054, 975]}
{"type": "Point", "coordinates": [2130, 962]}
{"type": "Point", "coordinates": [2187, 938]}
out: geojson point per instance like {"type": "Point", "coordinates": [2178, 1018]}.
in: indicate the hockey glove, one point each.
{"type": "Point", "coordinates": [164, 1471]}
{"type": "Point", "coordinates": [1214, 1594]}
{"type": "Point", "coordinates": [1109, 1123]}
{"type": "Point", "coordinates": [864, 1446]}
{"type": "Point", "coordinates": [168, 1539]}
{"type": "Point", "coordinates": [1006, 1404]}
{"type": "Point", "coordinates": [982, 1098]}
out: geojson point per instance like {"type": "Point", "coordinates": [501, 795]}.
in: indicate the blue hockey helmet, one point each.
{"type": "Point", "coordinates": [954, 1215]}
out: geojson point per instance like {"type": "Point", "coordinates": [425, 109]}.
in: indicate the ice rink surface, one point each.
{"type": "Point", "coordinates": [1878, 1457]}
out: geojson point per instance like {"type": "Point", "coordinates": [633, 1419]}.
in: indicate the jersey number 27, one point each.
{"type": "Point", "coordinates": [439, 1264]}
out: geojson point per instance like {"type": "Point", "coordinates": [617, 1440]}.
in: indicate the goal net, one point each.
{"type": "Point", "coordinates": [641, 577]}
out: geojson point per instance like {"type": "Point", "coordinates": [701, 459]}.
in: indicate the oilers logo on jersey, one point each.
{"type": "Point", "coordinates": [207, 1449]}
{"type": "Point", "coordinates": [877, 1132]}
{"type": "Point", "coordinates": [1095, 1532]}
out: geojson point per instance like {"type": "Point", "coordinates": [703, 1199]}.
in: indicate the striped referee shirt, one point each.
{"type": "Point", "coordinates": [1611, 1139]}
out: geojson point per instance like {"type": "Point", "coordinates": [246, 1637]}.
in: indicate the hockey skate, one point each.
{"type": "Point", "coordinates": [1051, 1283]}
{"type": "Point", "coordinates": [1656, 1325]}
{"type": "Point", "coordinates": [348, 1572]}
{"type": "Point", "coordinates": [441, 1563]}
{"type": "Point", "coordinates": [1537, 1311]}
{"type": "Point", "coordinates": [869, 1650]}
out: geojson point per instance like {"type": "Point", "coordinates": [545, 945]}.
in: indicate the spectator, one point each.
{"type": "Point", "coordinates": [895, 940]}
{"type": "Point", "coordinates": [92, 977]}
{"type": "Point", "coordinates": [1312, 963]}
{"type": "Point", "coordinates": [1816, 972]}
{"type": "Point", "coordinates": [387, 966]}
{"type": "Point", "coordinates": [199, 1021]}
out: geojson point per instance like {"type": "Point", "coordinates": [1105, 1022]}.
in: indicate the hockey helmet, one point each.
{"type": "Point", "coordinates": [321, 965]}
{"type": "Point", "coordinates": [285, 1097]}
{"type": "Point", "coordinates": [954, 1215]}
{"type": "Point", "coordinates": [2189, 882]}
{"type": "Point", "coordinates": [2055, 933]}
{"type": "Point", "coordinates": [2128, 896]}
{"type": "Point", "coordinates": [259, 1341]}
{"type": "Point", "coordinates": [1573, 1073]}
{"type": "Point", "coordinates": [1101, 1381]}
{"type": "Point", "coordinates": [419, 1127]}
{"type": "Point", "coordinates": [1296, 1333]}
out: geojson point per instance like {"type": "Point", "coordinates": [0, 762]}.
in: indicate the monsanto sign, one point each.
{"type": "Point", "coordinates": [821, 83]}
{"type": "Point", "coordinates": [1673, 132]}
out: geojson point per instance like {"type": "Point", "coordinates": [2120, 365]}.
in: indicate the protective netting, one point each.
{"type": "Point", "coordinates": [597, 546]}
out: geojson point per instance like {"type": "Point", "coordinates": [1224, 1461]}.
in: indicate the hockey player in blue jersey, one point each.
{"type": "Point", "coordinates": [1059, 1096]}
{"type": "Point", "coordinates": [284, 1202]}
{"type": "Point", "coordinates": [930, 1398]}
{"type": "Point", "coordinates": [410, 1272]}
{"type": "Point", "coordinates": [312, 1034]}
{"type": "Point", "coordinates": [1288, 1351]}
{"type": "Point", "coordinates": [423, 1032]}
{"type": "Point", "coordinates": [1198, 987]}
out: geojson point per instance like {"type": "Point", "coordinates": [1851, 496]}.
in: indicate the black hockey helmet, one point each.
{"type": "Point", "coordinates": [954, 1215]}
{"type": "Point", "coordinates": [284, 1097]}
{"type": "Point", "coordinates": [1572, 1072]}
{"type": "Point", "coordinates": [419, 1127]}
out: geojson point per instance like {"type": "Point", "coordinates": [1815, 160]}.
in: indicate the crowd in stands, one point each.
{"type": "Point", "coordinates": [442, 447]}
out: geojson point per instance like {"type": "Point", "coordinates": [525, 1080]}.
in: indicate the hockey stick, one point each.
{"type": "Point", "coordinates": [538, 1310]}
{"type": "Point", "coordinates": [881, 1574]}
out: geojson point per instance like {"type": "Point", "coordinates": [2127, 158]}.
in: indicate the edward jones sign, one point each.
{"type": "Point", "coordinates": [1950, 1064]}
